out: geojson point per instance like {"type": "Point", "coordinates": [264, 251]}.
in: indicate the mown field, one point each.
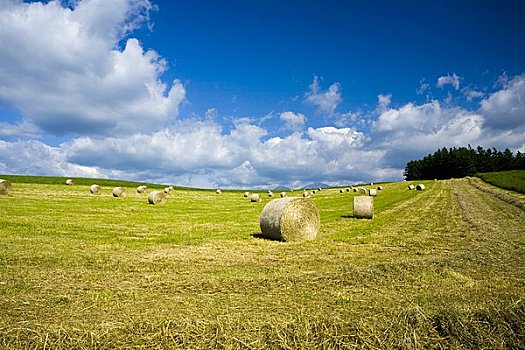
{"type": "Point", "coordinates": [440, 268]}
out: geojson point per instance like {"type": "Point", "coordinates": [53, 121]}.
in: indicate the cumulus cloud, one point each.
{"type": "Point", "coordinates": [293, 121]}
{"type": "Point", "coordinates": [63, 68]}
{"type": "Point", "coordinates": [448, 79]}
{"type": "Point", "coordinates": [505, 108]}
{"type": "Point", "coordinates": [325, 101]}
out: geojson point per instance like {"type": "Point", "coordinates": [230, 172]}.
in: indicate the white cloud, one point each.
{"type": "Point", "coordinates": [293, 121]}
{"type": "Point", "coordinates": [383, 101]}
{"type": "Point", "coordinates": [71, 77]}
{"type": "Point", "coordinates": [448, 79]}
{"type": "Point", "coordinates": [505, 109]}
{"type": "Point", "coordinates": [325, 101]}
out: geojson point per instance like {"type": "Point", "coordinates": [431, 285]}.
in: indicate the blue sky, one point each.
{"type": "Point", "coordinates": [255, 93]}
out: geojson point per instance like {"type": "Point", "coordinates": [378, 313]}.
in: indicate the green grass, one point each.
{"type": "Point", "coordinates": [513, 180]}
{"type": "Point", "coordinates": [440, 268]}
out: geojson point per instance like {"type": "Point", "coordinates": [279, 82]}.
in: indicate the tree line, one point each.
{"type": "Point", "coordinates": [463, 161]}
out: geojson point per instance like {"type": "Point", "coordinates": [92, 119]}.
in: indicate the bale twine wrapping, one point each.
{"type": "Point", "coordinates": [420, 187]}
{"type": "Point", "coordinates": [156, 197]}
{"type": "Point", "coordinates": [363, 207]}
{"type": "Point", "coordinates": [141, 189]}
{"type": "Point", "coordinates": [411, 187]}
{"type": "Point", "coordinates": [246, 194]}
{"type": "Point", "coordinates": [5, 187]}
{"type": "Point", "coordinates": [372, 192]}
{"type": "Point", "coordinates": [290, 219]}
{"type": "Point", "coordinates": [69, 182]}
{"type": "Point", "coordinates": [256, 197]}
{"type": "Point", "coordinates": [94, 189]}
{"type": "Point", "coordinates": [283, 194]}
{"type": "Point", "coordinates": [119, 192]}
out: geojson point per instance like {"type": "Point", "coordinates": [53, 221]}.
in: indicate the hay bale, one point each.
{"type": "Point", "coordinates": [371, 184]}
{"type": "Point", "coordinates": [218, 191]}
{"type": "Point", "coordinates": [246, 194]}
{"type": "Point", "coordinates": [319, 189]}
{"type": "Point", "coordinates": [5, 187]}
{"type": "Point", "coordinates": [372, 192]}
{"type": "Point", "coordinates": [306, 194]}
{"type": "Point", "coordinates": [411, 187]}
{"type": "Point", "coordinates": [348, 189]}
{"type": "Point", "coordinates": [171, 188]}
{"type": "Point", "coordinates": [167, 190]}
{"type": "Point", "coordinates": [119, 192]}
{"type": "Point", "coordinates": [141, 189]}
{"type": "Point", "coordinates": [270, 194]}
{"type": "Point", "coordinates": [94, 189]}
{"type": "Point", "coordinates": [363, 207]}
{"type": "Point", "coordinates": [256, 197]}
{"type": "Point", "coordinates": [379, 188]}
{"type": "Point", "coordinates": [362, 190]}
{"type": "Point", "coordinates": [156, 197]}
{"type": "Point", "coordinates": [313, 192]}
{"type": "Point", "coordinates": [70, 182]}
{"type": "Point", "coordinates": [420, 187]}
{"type": "Point", "coordinates": [341, 190]}
{"type": "Point", "coordinates": [290, 219]}
{"type": "Point", "coordinates": [283, 194]}
{"type": "Point", "coordinates": [354, 189]}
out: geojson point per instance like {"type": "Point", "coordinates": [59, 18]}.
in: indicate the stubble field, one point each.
{"type": "Point", "coordinates": [440, 268]}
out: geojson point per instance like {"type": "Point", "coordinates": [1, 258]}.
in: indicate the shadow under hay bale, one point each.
{"type": "Point", "coordinates": [290, 219]}
{"type": "Point", "coordinates": [364, 207]}
{"type": "Point", "coordinates": [94, 189]}
{"type": "Point", "coordinates": [119, 192]}
{"type": "Point", "coordinates": [156, 197]}
{"type": "Point", "coordinates": [5, 187]}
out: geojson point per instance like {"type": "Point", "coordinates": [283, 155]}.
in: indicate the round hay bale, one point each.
{"type": "Point", "coordinates": [167, 190]}
{"type": "Point", "coordinates": [5, 187]}
{"type": "Point", "coordinates": [319, 189]}
{"type": "Point", "coordinates": [341, 191]}
{"type": "Point", "coordinates": [256, 197]}
{"type": "Point", "coordinates": [141, 189]}
{"type": "Point", "coordinates": [246, 194]}
{"type": "Point", "coordinates": [290, 219]}
{"type": "Point", "coordinates": [119, 192]}
{"type": "Point", "coordinates": [420, 187]}
{"type": "Point", "coordinates": [354, 189]}
{"type": "Point", "coordinates": [379, 188]}
{"type": "Point", "coordinates": [372, 192]}
{"type": "Point", "coordinates": [156, 197]}
{"type": "Point", "coordinates": [314, 192]}
{"type": "Point", "coordinates": [371, 184]}
{"type": "Point", "coordinates": [363, 207]}
{"type": "Point", "coordinates": [94, 189]}
{"type": "Point", "coordinates": [218, 191]}
{"type": "Point", "coordinates": [69, 182]}
{"type": "Point", "coordinates": [270, 194]}
{"type": "Point", "coordinates": [348, 189]}
{"type": "Point", "coordinates": [171, 188]}
{"type": "Point", "coordinates": [283, 194]}
{"type": "Point", "coordinates": [411, 187]}
{"type": "Point", "coordinates": [362, 190]}
{"type": "Point", "coordinates": [306, 194]}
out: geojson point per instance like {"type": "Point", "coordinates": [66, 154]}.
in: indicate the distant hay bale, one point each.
{"type": "Point", "coordinates": [371, 184]}
{"type": "Point", "coordinates": [306, 194]}
{"type": "Point", "coordinates": [283, 194]}
{"type": "Point", "coordinates": [256, 197]}
{"type": "Point", "coordinates": [270, 194]}
{"type": "Point", "coordinates": [167, 190]}
{"type": "Point", "coordinates": [379, 188]}
{"type": "Point", "coordinates": [70, 182]}
{"type": "Point", "coordinates": [141, 189]}
{"type": "Point", "coordinates": [372, 192]}
{"type": "Point", "coordinates": [246, 194]}
{"type": "Point", "coordinates": [363, 207]}
{"type": "Point", "coordinates": [94, 189]}
{"type": "Point", "coordinates": [341, 190]}
{"type": "Point", "coordinates": [348, 189]}
{"type": "Point", "coordinates": [411, 187]}
{"type": "Point", "coordinates": [119, 192]}
{"type": "Point", "coordinates": [290, 219]}
{"type": "Point", "coordinates": [171, 188]}
{"type": "Point", "coordinates": [319, 189]}
{"type": "Point", "coordinates": [420, 187]}
{"type": "Point", "coordinates": [314, 192]}
{"type": "Point", "coordinates": [5, 187]}
{"type": "Point", "coordinates": [156, 197]}
{"type": "Point", "coordinates": [354, 189]}
{"type": "Point", "coordinates": [362, 190]}
{"type": "Point", "coordinates": [218, 191]}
